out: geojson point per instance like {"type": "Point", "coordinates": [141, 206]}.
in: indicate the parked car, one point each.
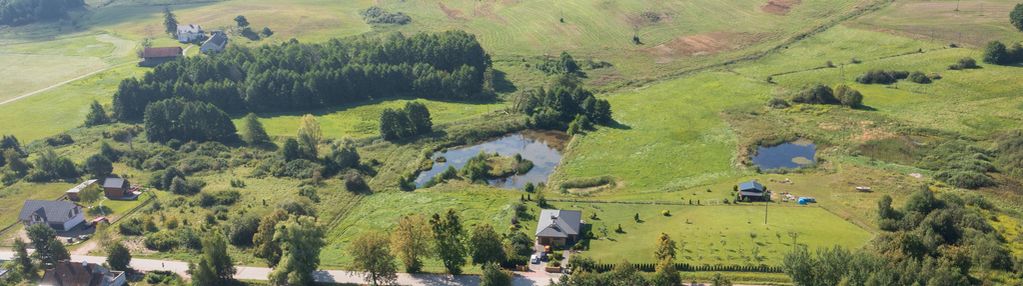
{"type": "Point", "coordinates": [534, 259]}
{"type": "Point", "coordinates": [543, 256]}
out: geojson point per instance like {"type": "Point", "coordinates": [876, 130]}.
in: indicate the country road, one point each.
{"type": "Point", "coordinates": [325, 276]}
{"type": "Point", "coordinates": [56, 85]}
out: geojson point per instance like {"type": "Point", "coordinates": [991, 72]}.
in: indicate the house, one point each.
{"type": "Point", "coordinates": [216, 43]}
{"type": "Point", "coordinates": [66, 273]}
{"type": "Point", "coordinates": [753, 191]}
{"type": "Point", "coordinates": [558, 227]}
{"type": "Point", "coordinates": [59, 215]}
{"type": "Point", "coordinates": [72, 194]}
{"type": "Point", "coordinates": [152, 57]}
{"type": "Point", "coordinates": [115, 188]}
{"type": "Point", "coordinates": [190, 33]}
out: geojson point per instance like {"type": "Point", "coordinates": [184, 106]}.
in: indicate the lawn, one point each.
{"type": "Point", "coordinates": [363, 120]}
{"type": "Point", "coordinates": [728, 235]}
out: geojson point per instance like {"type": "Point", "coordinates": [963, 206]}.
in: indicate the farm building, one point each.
{"type": "Point", "coordinates": [190, 33]}
{"type": "Point", "coordinates": [753, 191]}
{"type": "Point", "coordinates": [216, 43]}
{"type": "Point", "coordinates": [152, 57]}
{"type": "Point", "coordinates": [59, 215]}
{"type": "Point", "coordinates": [115, 188]}
{"type": "Point", "coordinates": [66, 273]}
{"type": "Point", "coordinates": [72, 194]}
{"type": "Point", "coordinates": [558, 227]}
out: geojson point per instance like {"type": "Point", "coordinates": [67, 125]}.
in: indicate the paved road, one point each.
{"type": "Point", "coordinates": [331, 276]}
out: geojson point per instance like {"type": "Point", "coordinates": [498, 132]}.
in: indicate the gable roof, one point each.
{"type": "Point", "coordinates": [166, 52]}
{"type": "Point", "coordinates": [559, 223]}
{"type": "Point", "coordinates": [81, 186]}
{"type": "Point", "coordinates": [751, 186]}
{"type": "Point", "coordinates": [113, 182]}
{"type": "Point", "coordinates": [49, 211]}
{"type": "Point", "coordinates": [218, 39]}
{"type": "Point", "coordinates": [190, 28]}
{"type": "Point", "coordinates": [66, 273]}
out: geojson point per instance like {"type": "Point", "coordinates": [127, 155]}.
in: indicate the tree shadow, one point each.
{"type": "Point", "coordinates": [865, 108]}
{"type": "Point", "coordinates": [502, 84]}
{"type": "Point", "coordinates": [620, 126]}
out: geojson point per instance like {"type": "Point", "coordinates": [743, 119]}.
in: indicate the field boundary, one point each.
{"type": "Point", "coordinates": [699, 203]}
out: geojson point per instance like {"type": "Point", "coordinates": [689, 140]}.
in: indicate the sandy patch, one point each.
{"type": "Point", "coordinates": [453, 14]}
{"type": "Point", "coordinates": [779, 7]}
{"type": "Point", "coordinates": [695, 45]}
{"type": "Point", "coordinates": [486, 10]}
{"type": "Point", "coordinates": [871, 132]}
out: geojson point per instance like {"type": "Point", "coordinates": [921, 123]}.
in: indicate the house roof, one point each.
{"type": "Point", "coordinates": [559, 223]}
{"type": "Point", "coordinates": [218, 38]}
{"type": "Point", "coordinates": [113, 182]}
{"type": "Point", "coordinates": [81, 186]}
{"type": "Point", "coordinates": [50, 211]}
{"type": "Point", "coordinates": [190, 28]}
{"type": "Point", "coordinates": [751, 186]}
{"type": "Point", "coordinates": [66, 273]}
{"type": "Point", "coordinates": [165, 52]}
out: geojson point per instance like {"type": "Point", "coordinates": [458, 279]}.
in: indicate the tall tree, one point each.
{"type": "Point", "coordinates": [419, 116]}
{"type": "Point", "coordinates": [96, 116]}
{"type": "Point", "coordinates": [493, 275]}
{"type": "Point", "coordinates": [342, 155]}
{"type": "Point", "coordinates": [241, 21]}
{"type": "Point", "coordinates": [309, 136]}
{"type": "Point", "coordinates": [447, 234]}
{"type": "Point", "coordinates": [291, 150]}
{"type": "Point", "coordinates": [118, 256]}
{"type": "Point", "coordinates": [410, 241]}
{"type": "Point", "coordinates": [99, 166]}
{"type": "Point", "coordinates": [372, 255]}
{"type": "Point", "coordinates": [485, 245]}
{"type": "Point", "coordinates": [170, 22]}
{"type": "Point", "coordinates": [666, 248]}
{"type": "Point", "coordinates": [23, 260]}
{"type": "Point", "coordinates": [254, 133]}
{"type": "Point", "coordinates": [203, 273]}
{"type": "Point", "coordinates": [214, 251]}
{"type": "Point", "coordinates": [266, 246]}
{"type": "Point", "coordinates": [666, 274]}
{"type": "Point", "coordinates": [301, 239]}
{"type": "Point", "coordinates": [48, 248]}
{"type": "Point", "coordinates": [1016, 17]}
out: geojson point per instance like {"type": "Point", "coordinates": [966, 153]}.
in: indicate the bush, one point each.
{"type": "Point", "coordinates": [848, 96]}
{"type": "Point", "coordinates": [996, 53]}
{"type": "Point", "coordinates": [162, 278]}
{"type": "Point", "coordinates": [818, 94]}
{"type": "Point", "coordinates": [778, 103]}
{"type": "Point", "coordinates": [582, 183]}
{"type": "Point", "coordinates": [222, 198]}
{"type": "Point", "coordinates": [59, 140]}
{"type": "Point", "coordinates": [881, 77]}
{"type": "Point", "coordinates": [919, 77]}
{"type": "Point", "coordinates": [162, 241]}
{"type": "Point", "coordinates": [377, 15]}
{"type": "Point", "coordinates": [242, 228]}
{"type": "Point", "coordinates": [964, 63]}
{"type": "Point", "coordinates": [132, 226]}
{"type": "Point", "coordinates": [354, 182]}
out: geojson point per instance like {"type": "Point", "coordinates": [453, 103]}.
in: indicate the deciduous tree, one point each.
{"type": "Point", "coordinates": [372, 255]}
{"type": "Point", "coordinates": [301, 239]}
{"type": "Point", "coordinates": [410, 241]}
{"type": "Point", "coordinates": [447, 233]}
{"type": "Point", "coordinates": [485, 245]}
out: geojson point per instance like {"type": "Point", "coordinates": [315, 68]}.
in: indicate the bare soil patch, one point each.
{"type": "Point", "coordinates": [779, 7]}
{"type": "Point", "coordinates": [701, 44]}
{"type": "Point", "coordinates": [452, 13]}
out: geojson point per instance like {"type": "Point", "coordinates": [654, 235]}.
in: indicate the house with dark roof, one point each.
{"type": "Point", "coordinates": [216, 43]}
{"type": "Point", "coordinates": [752, 191]}
{"type": "Point", "coordinates": [558, 227]}
{"type": "Point", "coordinates": [116, 188]}
{"type": "Point", "coordinates": [190, 33]}
{"type": "Point", "coordinates": [59, 215]}
{"type": "Point", "coordinates": [152, 57]}
{"type": "Point", "coordinates": [66, 273]}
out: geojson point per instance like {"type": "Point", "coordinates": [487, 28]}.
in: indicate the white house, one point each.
{"type": "Point", "coordinates": [59, 215]}
{"type": "Point", "coordinates": [190, 33]}
{"type": "Point", "coordinates": [216, 43]}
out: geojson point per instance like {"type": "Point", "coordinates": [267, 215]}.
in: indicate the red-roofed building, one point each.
{"type": "Point", "coordinates": [152, 57]}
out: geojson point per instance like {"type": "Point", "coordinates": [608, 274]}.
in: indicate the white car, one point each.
{"type": "Point", "coordinates": [535, 259]}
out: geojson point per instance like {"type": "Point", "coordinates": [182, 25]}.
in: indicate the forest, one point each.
{"type": "Point", "coordinates": [295, 76]}
{"type": "Point", "coordinates": [21, 12]}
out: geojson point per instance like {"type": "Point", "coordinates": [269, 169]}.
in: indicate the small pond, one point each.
{"type": "Point", "coordinates": [542, 148]}
{"type": "Point", "coordinates": [789, 155]}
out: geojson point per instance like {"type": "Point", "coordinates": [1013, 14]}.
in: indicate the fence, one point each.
{"type": "Point", "coordinates": [650, 267]}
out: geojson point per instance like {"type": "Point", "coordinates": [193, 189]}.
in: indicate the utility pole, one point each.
{"type": "Point", "coordinates": [767, 202]}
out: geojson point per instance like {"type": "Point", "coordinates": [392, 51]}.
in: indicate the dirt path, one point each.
{"type": "Point", "coordinates": [86, 248]}
{"type": "Point", "coordinates": [56, 85]}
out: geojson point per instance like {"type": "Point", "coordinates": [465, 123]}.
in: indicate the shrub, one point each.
{"type": "Point", "coordinates": [221, 198]}
{"type": "Point", "coordinates": [132, 226]}
{"type": "Point", "coordinates": [996, 53]}
{"type": "Point", "coordinates": [583, 183]}
{"type": "Point", "coordinates": [162, 241]}
{"type": "Point", "coordinates": [377, 15]}
{"type": "Point", "coordinates": [59, 140]}
{"type": "Point", "coordinates": [666, 213]}
{"type": "Point", "coordinates": [354, 182]}
{"type": "Point", "coordinates": [848, 96]}
{"type": "Point", "coordinates": [964, 63]}
{"type": "Point", "coordinates": [817, 94]}
{"type": "Point", "coordinates": [919, 77]}
{"type": "Point", "coordinates": [778, 103]}
{"type": "Point", "coordinates": [881, 77]}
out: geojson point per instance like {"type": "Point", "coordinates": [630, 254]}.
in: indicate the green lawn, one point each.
{"type": "Point", "coordinates": [363, 120]}
{"type": "Point", "coordinates": [730, 235]}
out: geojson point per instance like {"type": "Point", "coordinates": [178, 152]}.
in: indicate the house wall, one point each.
{"type": "Point", "coordinates": [78, 219]}
{"type": "Point", "coordinates": [113, 192]}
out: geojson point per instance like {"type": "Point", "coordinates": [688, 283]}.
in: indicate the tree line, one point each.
{"type": "Point", "coordinates": [296, 76]}
{"type": "Point", "coordinates": [411, 121]}
{"type": "Point", "coordinates": [21, 12]}
{"type": "Point", "coordinates": [930, 240]}
{"type": "Point", "coordinates": [563, 104]}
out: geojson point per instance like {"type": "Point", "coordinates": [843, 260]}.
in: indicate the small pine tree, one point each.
{"type": "Point", "coordinates": [96, 116]}
{"type": "Point", "coordinates": [254, 132]}
{"type": "Point", "coordinates": [170, 22]}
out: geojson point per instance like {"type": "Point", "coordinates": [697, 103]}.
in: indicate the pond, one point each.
{"type": "Point", "coordinates": [542, 148]}
{"type": "Point", "coordinates": [788, 155]}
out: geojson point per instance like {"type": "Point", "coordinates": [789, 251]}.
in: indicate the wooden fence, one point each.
{"type": "Point", "coordinates": [650, 267]}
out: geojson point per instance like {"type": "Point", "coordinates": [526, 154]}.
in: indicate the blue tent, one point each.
{"type": "Point", "coordinates": [806, 201]}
